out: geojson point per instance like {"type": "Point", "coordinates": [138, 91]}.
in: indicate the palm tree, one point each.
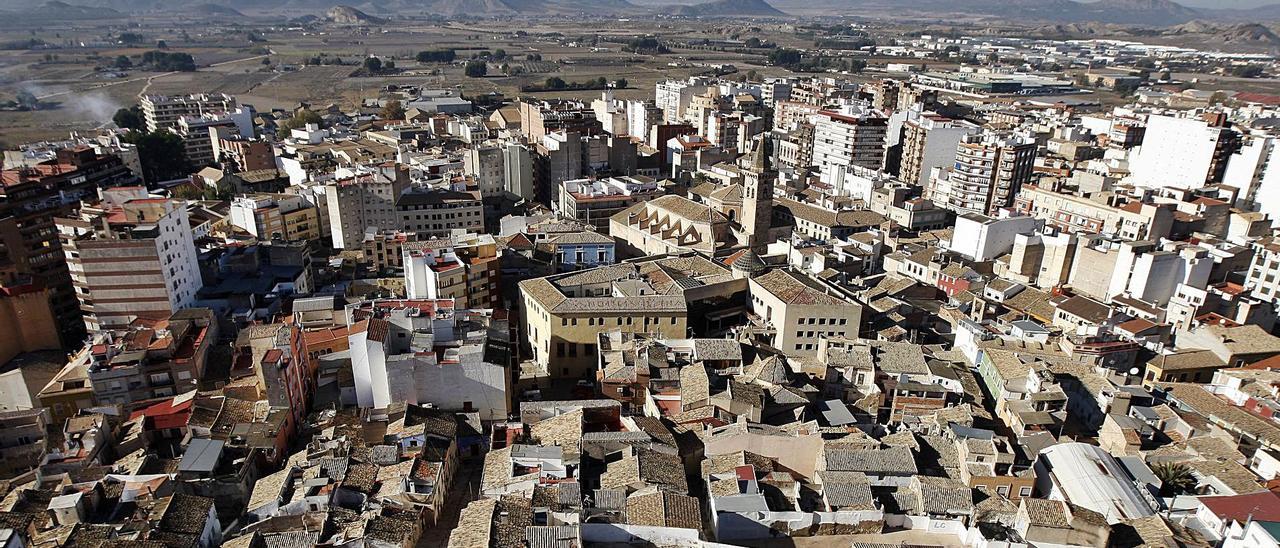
{"type": "Point", "coordinates": [1175, 479]}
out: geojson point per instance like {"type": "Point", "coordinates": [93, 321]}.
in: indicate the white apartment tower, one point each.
{"type": "Point", "coordinates": [131, 256]}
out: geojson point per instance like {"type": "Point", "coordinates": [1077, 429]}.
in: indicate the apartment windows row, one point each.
{"type": "Point", "coordinates": [570, 350]}
{"type": "Point", "coordinates": [617, 321]}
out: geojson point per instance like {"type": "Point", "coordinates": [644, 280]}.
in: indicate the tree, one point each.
{"type": "Point", "coordinates": [753, 42]}
{"type": "Point", "coordinates": [620, 83]}
{"type": "Point", "coordinates": [161, 44]}
{"type": "Point", "coordinates": [753, 76]}
{"type": "Point", "coordinates": [784, 57]}
{"type": "Point", "coordinates": [476, 69]}
{"type": "Point", "coordinates": [162, 155]}
{"type": "Point", "coordinates": [372, 65]}
{"type": "Point", "coordinates": [131, 38]}
{"type": "Point", "coordinates": [602, 82]}
{"type": "Point", "coordinates": [437, 56]}
{"type": "Point", "coordinates": [554, 83]}
{"type": "Point", "coordinates": [1247, 71]}
{"type": "Point", "coordinates": [169, 62]}
{"type": "Point", "coordinates": [499, 54]}
{"type": "Point", "coordinates": [129, 118]}
{"type": "Point", "coordinates": [27, 100]}
{"type": "Point", "coordinates": [1175, 478]}
{"type": "Point", "coordinates": [122, 62]}
{"type": "Point", "coordinates": [393, 110]}
{"type": "Point", "coordinates": [299, 120]}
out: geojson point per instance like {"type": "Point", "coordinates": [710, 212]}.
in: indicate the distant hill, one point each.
{"type": "Point", "coordinates": [728, 8]}
{"type": "Point", "coordinates": [56, 9]}
{"type": "Point", "coordinates": [1147, 13]}
{"type": "Point", "coordinates": [347, 15]}
{"type": "Point", "coordinates": [210, 9]}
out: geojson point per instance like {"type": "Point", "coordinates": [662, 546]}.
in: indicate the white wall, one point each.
{"type": "Point", "coordinates": [1175, 153]}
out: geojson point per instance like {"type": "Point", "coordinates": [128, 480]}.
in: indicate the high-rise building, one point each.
{"type": "Point", "coordinates": [30, 198]}
{"type": "Point", "coordinates": [929, 140]}
{"type": "Point", "coordinates": [673, 96]}
{"type": "Point", "coordinates": [989, 170]}
{"type": "Point", "coordinates": [517, 170]}
{"type": "Point", "coordinates": [131, 256]}
{"type": "Point", "coordinates": [164, 111]}
{"type": "Point", "coordinates": [1255, 170]}
{"type": "Point", "coordinates": [854, 136]}
{"type": "Point", "coordinates": [1184, 152]}
{"type": "Point", "coordinates": [485, 162]}
{"type": "Point", "coordinates": [361, 197]}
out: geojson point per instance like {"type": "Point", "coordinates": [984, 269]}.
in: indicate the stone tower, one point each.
{"type": "Point", "coordinates": [757, 195]}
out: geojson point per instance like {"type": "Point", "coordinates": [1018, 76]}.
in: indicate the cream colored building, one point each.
{"type": "Point", "coordinates": [801, 313]}
{"type": "Point", "coordinates": [669, 224]}
{"type": "Point", "coordinates": [563, 315]}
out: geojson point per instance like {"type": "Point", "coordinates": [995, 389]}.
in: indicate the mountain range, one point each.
{"type": "Point", "coordinates": [1157, 13]}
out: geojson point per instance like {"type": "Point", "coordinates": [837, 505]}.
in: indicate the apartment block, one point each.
{"type": "Point", "coordinates": [594, 201]}
{"type": "Point", "coordinates": [30, 198]}
{"type": "Point", "coordinates": [463, 266]}
{"type": "Point", "coordinates": [164, 111]}
{"type": "Point", "coordinates": [989, 170]}
{"type": "Point", "coordinates": [130, 256]}
{"type": "Point", "coordinates": [361, 197]}
{"type": "Point", "coordinates": [272, 216]}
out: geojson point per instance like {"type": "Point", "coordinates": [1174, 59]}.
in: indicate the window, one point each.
{"type": "Point", "coordinates": [1024, 492]}
{"type": "Point", "coordinates": [573, 350]}
{"type": "Point", "coordinates": [559, 350]}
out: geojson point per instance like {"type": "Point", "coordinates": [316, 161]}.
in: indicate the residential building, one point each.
{"type": "Point", "coordinates": [989, 171]}
{"type": "Point", "coordinates": [437, 212]}
{"type": "Point", "coordinates": [131, 256]}
{"type": "Point", "coordinates": [362, 197]}
{"type": "Point", "coordinates": [463, 266]}
{"type": "Point", "coordinates": [150, 359]}
{"type": "Point", "coordinates": [594, 202]}
{"type": "Point", "coordinates": [1134, 220]}
{"type": "Point", "coordinates": [851, 137]}
{"type": "Point", "coordinates": [929, 140]}
{"type": "Point", "coordinates": [276, 216]}
{"type": "Point", "coordinates": [30, 249]}
{"type": "Point", "coordinates": [429, 352]}
{"type": "Point", "coordinates": [163, 111]}
{"type": "Point", "coordinates": [801, 312]}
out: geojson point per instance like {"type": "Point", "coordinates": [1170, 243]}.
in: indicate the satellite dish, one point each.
{"type": "Point", "coordinates": [1133, 370]}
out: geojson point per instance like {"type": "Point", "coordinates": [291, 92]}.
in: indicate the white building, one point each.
{"type": "Point", "coordinates": [853, 136]}
{"type": "Point", "coordinates": [1255, 170]}
{"type": "Point", "coordinates": [1181, 153]}
{"type": "Point", "coordinates": [800, 313]}
{"type": "Point", "coordinates": [984, 238]}
{"type": "Point", "coordinates": [361, 197]}
{"type": "Point", "coordinates": [1088, 476]}
{"type": "Point", "coordinates": [426, 352]}
{"type": "Point", "coordinates": [672, 96]}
